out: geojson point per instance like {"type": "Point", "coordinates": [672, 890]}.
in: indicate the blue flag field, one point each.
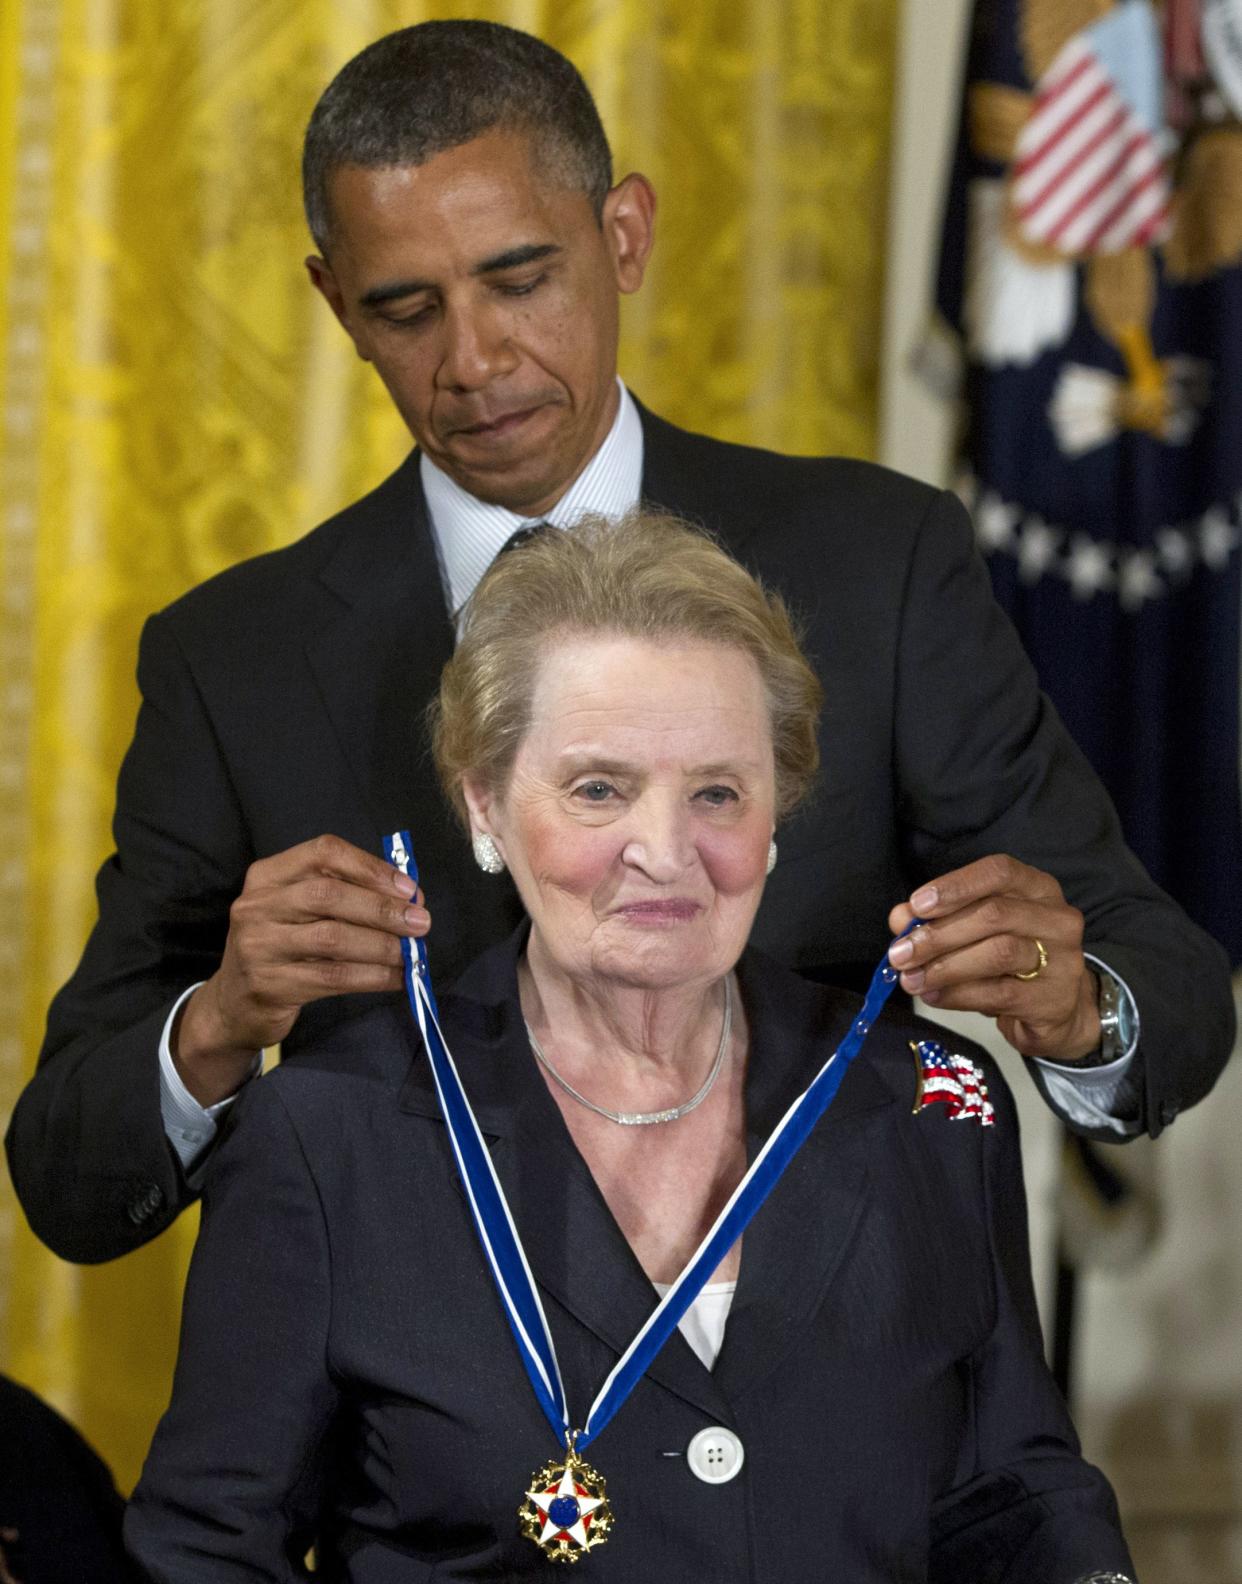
{"type": "Point", "coordinates": [1091, 271]}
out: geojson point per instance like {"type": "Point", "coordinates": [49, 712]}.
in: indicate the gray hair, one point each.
{"type": "Point", "coordinates": [651, 577]}
{"type": "Point", "coordinates": [435, 86]}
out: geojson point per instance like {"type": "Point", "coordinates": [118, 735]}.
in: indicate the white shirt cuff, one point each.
{"type": "Point", "coordinates": [1095, 1096]}
{"type": "Point", "coordinates": [190, 1127]}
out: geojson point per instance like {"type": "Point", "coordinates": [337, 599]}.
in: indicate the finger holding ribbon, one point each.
{"type": "Point", "coordinates": [321, 919]}
{"type": "Point", "coordinates": [998, 937]}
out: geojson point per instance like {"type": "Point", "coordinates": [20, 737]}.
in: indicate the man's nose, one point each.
{"type": "Point", "coordinates": [477, 349]}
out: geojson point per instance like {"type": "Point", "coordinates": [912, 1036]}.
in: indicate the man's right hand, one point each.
{"type": "Point", "coordinates": [322, 919]}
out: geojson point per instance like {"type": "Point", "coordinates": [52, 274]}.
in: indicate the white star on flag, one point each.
{"type": "Point", "coordinates": [995, 522]}
{"type": "Point", "coordinates": [1038, 549]}
{"type": "Point", "coordinates": [1088, 566]}
{"type": "Point", "coordinates": [1138, 580]}
{"type": "Point", "coordinates": [565, 1490]}
{"type": "Point", "coordinates": [1175, 552]}
{"type": "Point", "coordinates": [1218, 538]}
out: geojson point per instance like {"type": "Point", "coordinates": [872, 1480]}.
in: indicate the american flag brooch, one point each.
{"type": "Point", "coordinates": [954, 1082]}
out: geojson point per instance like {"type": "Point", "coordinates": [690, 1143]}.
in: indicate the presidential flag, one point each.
{"type": "Point", "coordinates": [1091, 274]}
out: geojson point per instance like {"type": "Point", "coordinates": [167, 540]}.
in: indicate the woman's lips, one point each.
{"type": "Point", "coordinates": [676, 910]}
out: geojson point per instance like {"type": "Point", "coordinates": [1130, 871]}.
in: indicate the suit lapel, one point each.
{"type": "Point", "coordinates": [380, 660]}
{"type": "Point", "coordinates": [581, 1259]}
{"type": "Point", "coordinates": [577, 1253]}
{"type": "Point", "coordinates": [681, 475]}
{"type": "Point", "coordinates": [799, 1240]}
{"type": "Point", "coordinates": [792, 1250]}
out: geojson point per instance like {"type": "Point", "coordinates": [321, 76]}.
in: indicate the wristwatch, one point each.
{"type": "Point", "coordinates": [1117, 1028]}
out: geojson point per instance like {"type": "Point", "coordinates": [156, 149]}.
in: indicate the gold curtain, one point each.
{"type": "Point", "coordinates": [175, 398]}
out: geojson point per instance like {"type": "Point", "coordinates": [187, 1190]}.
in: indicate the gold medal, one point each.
{"type": "Point", "coordinates": [566, 1511]}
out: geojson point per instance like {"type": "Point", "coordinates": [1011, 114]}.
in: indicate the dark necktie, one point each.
{"type": "Point", "coordinates": [521, 535]}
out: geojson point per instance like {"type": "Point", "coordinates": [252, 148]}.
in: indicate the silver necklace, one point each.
{"type": "Point", "coordinates": [645, 1118]}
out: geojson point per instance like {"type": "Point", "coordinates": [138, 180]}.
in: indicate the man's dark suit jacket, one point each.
{"type": "Point", "coordinates": [284, 699]}
{"type": "Point", "coordinates": [342, 1341]}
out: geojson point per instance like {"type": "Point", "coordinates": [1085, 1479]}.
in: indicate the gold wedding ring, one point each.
{"type": "Point", "coordinates": [1040, 966]}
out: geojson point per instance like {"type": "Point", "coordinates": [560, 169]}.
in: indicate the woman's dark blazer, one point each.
{"type": "Point", "coordinates": [345, 1365]}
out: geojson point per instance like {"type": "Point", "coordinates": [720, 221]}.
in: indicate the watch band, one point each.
{"type": "Point", "coordinates": [1118, 1019]}
{"type": "Point", "coordinates": [1112, 1043]}
{"type": "Point", "coordinates": [1119, 1016]}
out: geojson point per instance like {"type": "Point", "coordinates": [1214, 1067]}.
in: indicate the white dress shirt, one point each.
{"type": "Point", "coordinates": [1097, 1096]}
{"type": "Point", "coordinates": [469, 534]}
{"type": "Point", "coordinates": [190, 1127]}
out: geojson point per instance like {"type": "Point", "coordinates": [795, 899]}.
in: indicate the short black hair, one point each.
{"type": "Point", "coordinates": [437, 85]}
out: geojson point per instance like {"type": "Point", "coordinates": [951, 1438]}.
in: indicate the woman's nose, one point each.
{"type": "Point", "coordinates": [659, 843]}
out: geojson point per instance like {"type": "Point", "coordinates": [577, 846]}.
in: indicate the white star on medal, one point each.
{"type": "Point", "coordinates": [565, 1488]}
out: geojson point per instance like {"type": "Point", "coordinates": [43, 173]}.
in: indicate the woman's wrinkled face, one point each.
{"type": "Point", "coordinates": [637, 818]}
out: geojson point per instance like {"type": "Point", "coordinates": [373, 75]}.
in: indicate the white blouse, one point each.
{"type": "Point", "coordinates": [703, 1324]}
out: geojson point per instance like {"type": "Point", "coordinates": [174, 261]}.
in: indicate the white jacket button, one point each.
{"type": "Point", "coordinates": [715, 1455]}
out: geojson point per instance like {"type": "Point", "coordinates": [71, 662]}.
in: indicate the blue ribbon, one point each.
{"type": "Point", "coordinates": [498, 1234]}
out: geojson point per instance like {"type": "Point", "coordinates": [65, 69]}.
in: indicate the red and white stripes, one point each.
{"type": "Point", "coordinates": [1088, 175]}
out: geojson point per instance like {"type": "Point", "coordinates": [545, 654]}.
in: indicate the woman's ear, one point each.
{"type": "Point", "coordinates": [480, 804]}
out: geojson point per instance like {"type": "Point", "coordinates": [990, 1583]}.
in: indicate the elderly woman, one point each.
{"type": "Point", "coordinates": [857, 1392]}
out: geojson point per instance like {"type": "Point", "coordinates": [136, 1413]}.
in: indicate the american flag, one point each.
{"type": "Point", "coordinates": [1089, 175]}
{"type": "Point", "coordinates": [955, 1082]}
{"type": "Point", "coordinates": [1104, 399]}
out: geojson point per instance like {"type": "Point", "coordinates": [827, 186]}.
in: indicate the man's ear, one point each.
{"type": "Point", "coordinates": [628, 223]}
{"type": "Point", "coordinates": [325, 283]}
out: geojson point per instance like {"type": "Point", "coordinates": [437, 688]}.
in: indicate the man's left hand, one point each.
{"type": "Point", "coordinates": [982, 925]}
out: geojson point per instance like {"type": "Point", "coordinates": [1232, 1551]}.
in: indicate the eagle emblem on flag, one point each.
{"type": "Point", "coordinates": [955, 1082]}
{"type": "Point", "coordinates": [1089, 316]}
{"type": "Point", "coordinates": [1124, 150]}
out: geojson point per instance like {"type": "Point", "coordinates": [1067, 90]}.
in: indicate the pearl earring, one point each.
{"type": "Point", "coordinates": [487, 854]}
{"type": "Point", "coordinates": [771, 857]}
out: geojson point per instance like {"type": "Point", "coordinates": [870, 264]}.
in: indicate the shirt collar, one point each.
{"type": "Point", "coordinates": [469, 532]}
